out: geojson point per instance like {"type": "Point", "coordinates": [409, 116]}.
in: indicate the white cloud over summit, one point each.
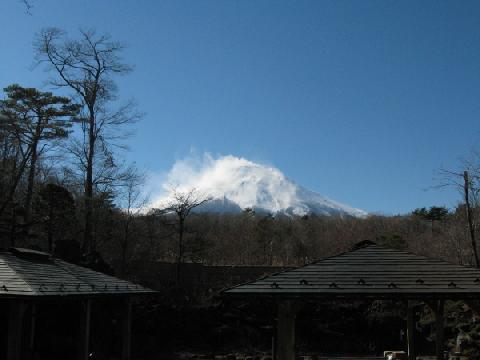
{"type": "Point", "coordinates": [229, 175]}
{"type": "Point", "coordinates": [247, 184]}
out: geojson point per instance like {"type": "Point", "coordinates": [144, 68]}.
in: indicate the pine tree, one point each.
{"type": "Point", "coordinates": [38, 120]}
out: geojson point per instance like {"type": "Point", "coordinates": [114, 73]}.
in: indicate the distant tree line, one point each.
{"type": "Point", "coordinates": [252, 238]}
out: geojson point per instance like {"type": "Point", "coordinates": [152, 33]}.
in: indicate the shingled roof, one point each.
{"type": "Point", "coordinates": [370, 271]}
{"type": "Point", "coordinates": [29, 273]}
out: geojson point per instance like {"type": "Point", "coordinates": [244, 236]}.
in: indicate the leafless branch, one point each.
{"type": "Point", "coordinates": [28, 6]}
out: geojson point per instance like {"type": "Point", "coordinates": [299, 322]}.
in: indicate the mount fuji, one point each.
{"type": "Point", "coordinates": [234, 184]}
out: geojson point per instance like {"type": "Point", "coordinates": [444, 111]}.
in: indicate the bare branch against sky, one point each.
{"type": "Point", "coordinates": [28, 6]}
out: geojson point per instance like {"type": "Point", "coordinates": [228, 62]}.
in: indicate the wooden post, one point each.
{"type": "Point", "coordinates": [33, 321]}
{"type": "Point", "coordinates": [126, 329]}
{"type": "Point", "coordinates": [286, 330]}
{"type": "Point", "coordinates": [439, 329]}
{"type": "Point", "coordinates": [84, 341]}
{"type": "Point", "coordinates": [274, 339]}
{"type": "Point", "coordinates": [274, 346]}
{"type": "Point", "coordinates": [411, 331]}
{"type": "Point", "coordinates": [15, 329]}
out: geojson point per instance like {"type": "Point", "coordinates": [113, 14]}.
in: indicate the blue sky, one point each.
{"type": "Point", "coordinates": [362, 101]}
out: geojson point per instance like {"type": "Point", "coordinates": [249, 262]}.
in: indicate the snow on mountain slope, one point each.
{"type": "Point", "coordinates": [236, 183]}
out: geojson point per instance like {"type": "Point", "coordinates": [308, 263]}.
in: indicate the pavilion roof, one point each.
{"type": "Point", "coordinates": [29, 273]}
{"type": "Point", "coordinates": [371, 271]}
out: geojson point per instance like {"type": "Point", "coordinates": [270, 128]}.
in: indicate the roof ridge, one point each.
{"type": "Point", "coordinates": [64, 265]}
{"type": "Point", "coordinates": [393, 250]}
{"type": "Point", "coordinates": [352, 250]}
{"type": "Point", "coordinates": [363, 244]}
{"type": "Point", "coordinates": [424, 257]}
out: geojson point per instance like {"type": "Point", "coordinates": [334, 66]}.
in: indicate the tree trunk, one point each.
{"type": "Point", "coordinates": [16, 181]}
{"type": "Point", "coordinates": [50, 225]}
{"type": "Point", "coordinates": [13, 228]}
{"type": "Point", "coordinates": [180, 249]}
{"type": "Point", "coordinates": [30, 183]}
{"type": "Point", "coordinates": [123, 267]}
{"type": "Point", "coordinates": [270, 258]}
{"type": "Point", "coordinates": [87, 235]}
{"type": "Point", "coordinates": [471, 224]}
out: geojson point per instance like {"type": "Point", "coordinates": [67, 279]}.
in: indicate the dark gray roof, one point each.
{"type": "Point", "coordinates": [26, 272]}
{"type": "Point", "coordinates": [370, 271]}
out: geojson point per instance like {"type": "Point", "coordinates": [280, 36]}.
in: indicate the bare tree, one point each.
{"type": "Point", "coordinates": [468, 183]}
{"type": "Point", "coordinates": [87, 66]}
{"type": "Point", "coordinates": [132, 202]}
{"type": "Point", "coordinates": [181, 204]}
{"type": "Point", "coordinates": [467, 191]}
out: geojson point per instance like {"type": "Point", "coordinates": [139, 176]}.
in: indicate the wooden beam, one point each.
{"type": "Point", "coordinates": [15, 329]}
{"type": "Point", "coordinates": [439, 329]}
{"type": "Point", "coordinates": [126, 329]}
{"type": "Point", "coordinates": [285, 344]}
{"type": "Point", "coordinates": [84, 341]}
{"type": "Point", "coordinates": [411, 331]}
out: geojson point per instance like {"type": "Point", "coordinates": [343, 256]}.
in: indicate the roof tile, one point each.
{"type": "Point", "coordinates": [27, 273]}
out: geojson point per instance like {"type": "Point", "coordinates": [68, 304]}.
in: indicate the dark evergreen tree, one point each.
{"type": "Point", "coordinates": [38, 119]}
{"type": "Point", "coordinates": [435, 213]}
{"type": "Point", "coordinates": [55, 210]}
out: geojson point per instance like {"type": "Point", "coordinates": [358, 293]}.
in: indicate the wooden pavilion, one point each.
{"type": "Point", "coordinates": [368, 271]}
{"type": "Point", "coordinates": [31, 278]}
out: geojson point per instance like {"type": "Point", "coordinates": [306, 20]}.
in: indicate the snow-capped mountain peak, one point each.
{"type": "Point", "coordinates": [235, 183]}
